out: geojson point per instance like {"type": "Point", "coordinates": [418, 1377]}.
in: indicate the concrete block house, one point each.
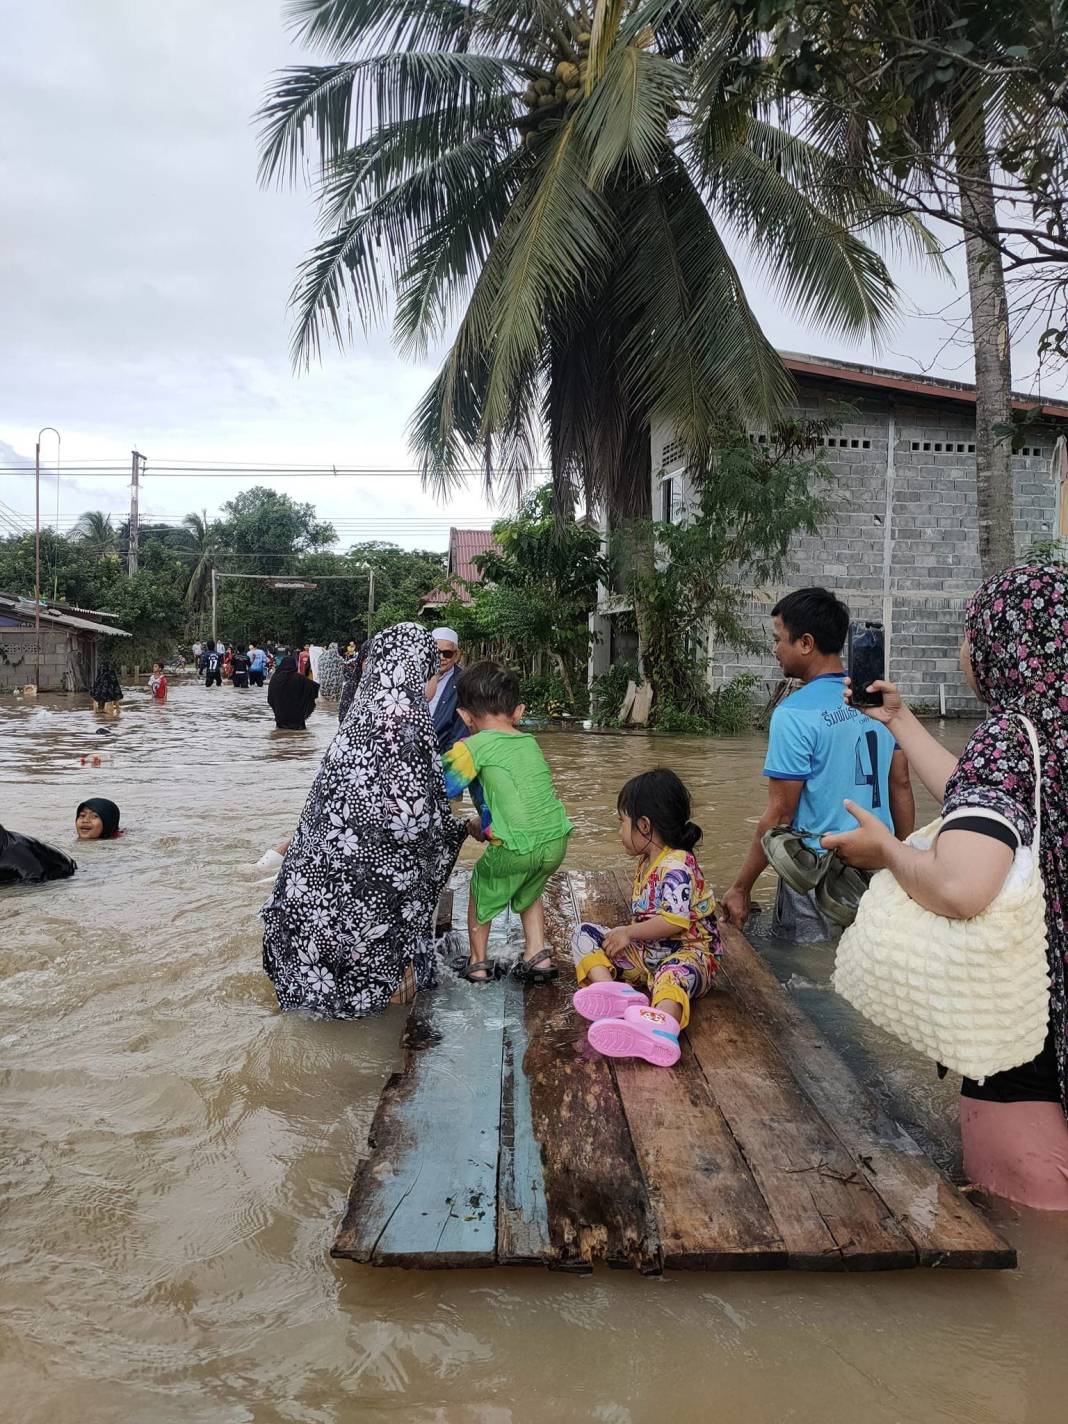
{"type": "Point", "coordinates": [71, 639]}
{"type": "Point", "coordinates": [900, 541]}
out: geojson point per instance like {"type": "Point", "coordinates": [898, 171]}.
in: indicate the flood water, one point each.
{"type": "Point", "coordinates": [175, 1154]}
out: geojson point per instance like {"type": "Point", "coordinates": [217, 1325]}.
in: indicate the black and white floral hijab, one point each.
{"type": "Point", "coordinates": [353, 904]}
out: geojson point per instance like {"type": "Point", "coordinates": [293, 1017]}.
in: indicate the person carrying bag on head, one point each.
{"type": "Point", "coordinates": [959, 945]}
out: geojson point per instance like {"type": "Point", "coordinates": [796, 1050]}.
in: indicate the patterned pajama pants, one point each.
{"type": "Point", "coordinates": [677, 977]}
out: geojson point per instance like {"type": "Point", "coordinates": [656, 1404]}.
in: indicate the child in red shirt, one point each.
{"type": "Point", "coordinates": [158, 683]}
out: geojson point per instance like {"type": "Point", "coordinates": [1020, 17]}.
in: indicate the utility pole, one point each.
{"type": "Point", "coordinates": [134, 492]}
{"type": "Point", "coordinates": [370, 598]}
{"type": "Point", "coordinates": [37, 550]}
{"type": "Point", "coordinates": [214, 620]}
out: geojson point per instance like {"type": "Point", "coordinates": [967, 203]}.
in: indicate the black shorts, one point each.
{"type": "Point", "coordinates": [255, 678]}
{"type": "Point", "coordinates": [214, 676]}
{"type": "Point", "coordinates": [241, 679]}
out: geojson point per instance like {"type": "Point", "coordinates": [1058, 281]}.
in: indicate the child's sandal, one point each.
{"type": "Point", "coordinates": [479, 971]}
{"type": "Point", "coordinates": [527, 971]}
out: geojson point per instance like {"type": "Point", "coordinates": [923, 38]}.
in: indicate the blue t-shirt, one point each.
{"type": "Point", "coordinates": [836, 751]}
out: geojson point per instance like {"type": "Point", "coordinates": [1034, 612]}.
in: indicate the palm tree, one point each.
{"type": "Point", "coordinates": [905, 95]}
{"type": "Point", "coordinates": [200, 538]}
{"type": "Point", "coordinates": [94, 530]}
{"type": "Point", "coordinates": [530, 168]}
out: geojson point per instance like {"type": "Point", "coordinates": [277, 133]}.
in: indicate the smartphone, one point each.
{"type": "Point", "coordinates": [867, 662]}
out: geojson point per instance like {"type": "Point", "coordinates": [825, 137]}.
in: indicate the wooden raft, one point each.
{"type": "Point", "coordinates": [505, 1140]}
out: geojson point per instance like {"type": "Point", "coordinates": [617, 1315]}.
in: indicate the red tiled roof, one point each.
{"type": "Point", "coordinates": [464, 546]}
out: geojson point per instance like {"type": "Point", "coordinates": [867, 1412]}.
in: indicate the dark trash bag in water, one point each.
{"type": "Point", "coordinates": [25, 861]}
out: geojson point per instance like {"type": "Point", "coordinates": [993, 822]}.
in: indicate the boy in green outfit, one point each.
{"type": "Point", "coordinates": [525, 824]}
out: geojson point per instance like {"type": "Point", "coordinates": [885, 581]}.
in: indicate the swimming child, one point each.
{"type": "Point", "coordinates": [158, 683]}
{"type": "Point", "coordinates": [526, 826]}
{"type": "Point", "coordinates": [97, 820]}
{"type": "Point", "coordinates": [671, 946]}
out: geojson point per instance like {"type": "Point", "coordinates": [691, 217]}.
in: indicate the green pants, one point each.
{"type": "Point", "coordinates": [506, 877]}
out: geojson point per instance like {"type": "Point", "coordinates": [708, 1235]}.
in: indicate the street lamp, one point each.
{"type": "Point", "coordinates": [37, 545]}
{"type": "Point", "coordinates": [370, 593]}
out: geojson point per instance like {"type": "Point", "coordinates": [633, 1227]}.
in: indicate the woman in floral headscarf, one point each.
{"type": "Point", "coordinates": [349, 924]}
{"type": "Point", "coordinates": [1015, 656]}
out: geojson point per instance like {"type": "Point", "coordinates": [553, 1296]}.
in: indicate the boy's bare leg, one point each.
{"type": "Point", "coordinates": [533, 921]}
{"type": "Point", "coordinates": [477, 935]}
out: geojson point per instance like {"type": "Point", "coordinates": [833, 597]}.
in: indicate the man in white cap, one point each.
{"type": "Point", "coordinates": [448, 724]}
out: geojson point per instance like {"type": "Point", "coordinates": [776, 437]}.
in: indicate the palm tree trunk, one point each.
{"type": "Point", "coordinates": [993, 362]}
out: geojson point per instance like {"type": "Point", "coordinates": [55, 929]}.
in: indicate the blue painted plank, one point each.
{"type": "Point", "coordinates": [522, 1214]}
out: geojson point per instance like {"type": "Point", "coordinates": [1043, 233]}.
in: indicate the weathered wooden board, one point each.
{"type": "Point", "coordinates": [944, 1226]}
{"type": "Point", "coordinates": [522, 1211]}
{"type": "Point", "coordinates": [426, 1196]}
{"type": "Point", "coordinates": [596, 1201]}
{"type": "Point", "coordinates": [507, 1140]}
{"type": "Point", "coordinates": [708, 1210]}
{"type": "Point", "coordinates": [827, 1214]}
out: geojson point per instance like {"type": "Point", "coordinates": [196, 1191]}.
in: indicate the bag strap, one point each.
{"type": "Point", "coordinates": [1032, 737]}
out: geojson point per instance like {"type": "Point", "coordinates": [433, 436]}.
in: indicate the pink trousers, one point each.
{"type": "Point", "coordinates": [1017, 1150]}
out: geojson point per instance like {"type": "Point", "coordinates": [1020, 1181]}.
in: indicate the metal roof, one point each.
{"type": "Point", "coordinates": [932, 386]}
{"type": "Point", "coordinates": [464, 546]}
{"type": "Point", "coordinates": [26, 608]}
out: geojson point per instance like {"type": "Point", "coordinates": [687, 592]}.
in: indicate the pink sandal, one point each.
{"type": "Point", "coordinates": [608, 1000]}
{"type": "Point", "coordinates": [640, 1033]}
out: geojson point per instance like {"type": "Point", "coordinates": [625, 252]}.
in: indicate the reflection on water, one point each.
{"type": "Point", "coordinates": [174, 1154]}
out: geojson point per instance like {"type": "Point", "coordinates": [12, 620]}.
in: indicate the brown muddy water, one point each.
{"type": "Point", "coordinates": [174, 1153]}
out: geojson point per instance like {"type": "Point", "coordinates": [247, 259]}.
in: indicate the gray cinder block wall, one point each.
{"type": "Point", "coordinates": [900, 540]}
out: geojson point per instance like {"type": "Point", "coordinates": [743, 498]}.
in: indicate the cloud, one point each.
{"type": "Point", "coordinates": [146, 274]}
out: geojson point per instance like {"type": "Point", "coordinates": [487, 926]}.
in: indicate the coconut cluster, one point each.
{"type": "Point", "coordinates": [548, 96]}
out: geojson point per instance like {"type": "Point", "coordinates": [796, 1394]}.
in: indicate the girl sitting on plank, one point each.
{"type": "Point", "coordinates": [671, 946]}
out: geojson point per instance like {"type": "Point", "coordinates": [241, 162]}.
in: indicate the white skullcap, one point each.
{"type": "Point", "coordinates": [446, 635]}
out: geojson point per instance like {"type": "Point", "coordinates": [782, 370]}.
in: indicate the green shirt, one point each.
{"type": "Point", "coordinates": [524, 811]}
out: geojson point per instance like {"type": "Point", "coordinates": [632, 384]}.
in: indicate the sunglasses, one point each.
{"type": "Point", "coordinates": [446, 656]}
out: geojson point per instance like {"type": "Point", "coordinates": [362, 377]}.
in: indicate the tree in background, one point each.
{"type": "Point", "coordinates": [200, 538]}
{"type": "Point", "coordinates": [960, 111]}
{"type": "Point", "coordinates": [533, 167]}
{"type": "Point", "coordinates": [96, 533]}
{"type": "Point", "coordinates": [270, 529]}
{"type": "Point", "coordinates": [742, 519]}
{"type": "Point", "coordinates": [403, 578]}
{"type": "Point", "coordinates": [532, 605]}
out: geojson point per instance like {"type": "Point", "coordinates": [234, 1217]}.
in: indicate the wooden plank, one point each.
{"type": "Point", "coordinates": [443, 913]}
{"type": "Point", "coordinates": [945, 1227]}
{"type": "Point", "coordinates": [708, 1209]}
{"type": "Point", "coordinates": [709, 1212]}
{"type": "Point", "coordinates": [827, 1214]}
{"type": "Point", "coordinates": [426, 1195]}
{"type": "Point", "coordinates": [522, 1211]}
{"type": "Point", "coordinates": [596, 1203]}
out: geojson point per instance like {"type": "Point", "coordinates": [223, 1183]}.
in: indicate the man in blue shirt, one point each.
{"type": "Point", "coordinates": [821, 751]}
{"type": "Point", "coordinates": [257, 665]}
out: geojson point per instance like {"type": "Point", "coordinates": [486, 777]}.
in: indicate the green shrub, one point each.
{"type": "Point", "coordinates": [608, 691]}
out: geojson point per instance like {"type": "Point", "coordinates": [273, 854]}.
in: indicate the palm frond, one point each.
{"type": "Point", "coordinates": [625, 119]}
{"type": "Point", "coordinates": [557, 243]}
{"type": "Point", "coordinates": [378, 24]}
{"type": "Point", "coordinates": [340, 103]}
{"type": "Point", "coordinates": [823, 269]}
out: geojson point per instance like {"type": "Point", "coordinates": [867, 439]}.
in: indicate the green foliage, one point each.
{"type": "Point", "coordinates": [608, 690]}
{"type": "Point", "coordinates": [546, 695]}
{"type": "Point", "coordinates": [729, 711]}
{"type": "Point", "coordinates": [1048, 551]}
{"type": "Point", "coordinates": [538, 586]}
{"type": "Point", "coordinates": [690, 580]}
{"type": "Point", "coordinates": [168, 602]}
{"type": "Point", "coordinates": [559, 202]}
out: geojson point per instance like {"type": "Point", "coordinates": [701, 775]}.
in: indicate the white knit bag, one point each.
{"type": "Point", "coordinates": [971, 994]}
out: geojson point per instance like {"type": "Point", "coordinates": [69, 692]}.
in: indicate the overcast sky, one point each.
{"type": "Point", "coordinates": [145, 275]}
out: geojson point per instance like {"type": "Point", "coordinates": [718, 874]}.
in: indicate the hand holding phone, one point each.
{"type": "Point", "coordinates": [867, 662]}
